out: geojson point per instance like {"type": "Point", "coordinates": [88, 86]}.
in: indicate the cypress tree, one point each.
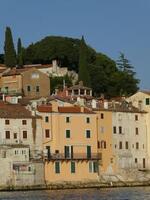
{"type": "Point", "coordinates": [19, 53]}
{"type": "Point", "coordinates": [83, 65]}
{"type": "Point", "coordinates": [9, 50]}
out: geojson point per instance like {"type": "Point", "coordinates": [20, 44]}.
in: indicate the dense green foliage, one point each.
{"type": "Point", "coordinates": [1, 58]}
{"type": "Point", "coordinates": [58, 83]}
{"type": "Point", "coordinates": [83, 64]}
{"type": "Point", "coordinates": [19, 53]}
{"type": "Point", "coordinates": [97, 70]}
{"type": "Point", "coordinates": [9, 50]}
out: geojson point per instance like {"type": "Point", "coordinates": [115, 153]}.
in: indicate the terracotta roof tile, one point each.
{"type": "Point", "coordinates": [44, 108]}
{"type": "Point", "coordinates": [14, 111]}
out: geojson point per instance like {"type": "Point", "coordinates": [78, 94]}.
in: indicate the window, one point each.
{"type": "Point", "coordinates": [67, 119]}
{"type": "Point", "coordinates": [7, 134]}
{"type": "Point", "coordinates": [15, 135]}
{"type": "Point", "coordinates": [47, 133]}
{"type": "Point", "coordinates": [137, 145]}
{"type": "Point", "coordinates": [67, 133]}
{"type": "Point", "coordinates": [6, 121]}
{"type": "Point", "coordinates": [24, 122]}
{"type": "Point", "coordinates": [136, 131]}
{"type": "Point", "coordinates": [102, 129]}
{"type": "Point", "coordinates": [73, 167]}
{"type": "Point", "coordinates": [120, 129]}
{"type": "Point", "coordinates": [127, 145]}
{"type": "Point", "coordinates": [102, 115]}
{"type": "Point", "coordinates": [24, 134]}
{"type": "Point", "coordinates": [88, 151]}
{"type": "Point", "coordinates": [68, 151]}
{"type": "Point", "coordinates": [136, 117]}
{"type": "Point", "coordinates": [28, 88]}
{"type": "Point", "coordinates": [88, 133]}
{"type": "Point", "coordinates": [46, 119]}
{"type": "Point", "coordinates": [136, 160]}
{"type": "Point", "coordinates": [87, 120]}
{"type": "Point", "coordinates": [93, 167]}
{"type": "Point", "coordinates": [37, 88]}
{"type": "Point", "coordinates": [114, 130]}
{"type": "Point", "coordinates": [57, 167]}
{"type": "Point", "coordinates": [147, 101]}
{"type": "Point", "coordinates": [98, 145]}
{"type": "Point", "coordinates": [120, 145]}
{"type": "Point", "coordinates": [103, 144]}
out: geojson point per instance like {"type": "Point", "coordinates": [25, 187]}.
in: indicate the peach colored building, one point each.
{"type": "Point", "coordinates": [70, 143]}
{"type": "Point", "coordinates": [105, 140]}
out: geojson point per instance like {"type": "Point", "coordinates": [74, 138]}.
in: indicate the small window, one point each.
{"type": "Point", "coordinates": [67, 119]}
{"type": "Point", "coordinates": [114, 130]}
{"type": "Point", "coordinates": [120, 129]}
{"type": "Point", "coordinates": [24, 134]}
{"type": "Point", "coordinates": [57, 167]}
{"type": "Point", "coordinates": [136, 160]}
{"type": "Point", "coordinates": [67, 133]}
{"type": "Point", "coordinates": [147, 101]}
{"type": "Point", "coordinates": [46, 119]}
{"type": "Point", "coordinates": [136, 131]}
{"type": "Point", "coordinates": [7, 134]}
{"type": "Point", "coordinates": [137, 145]}
{"type": "Point", "coordinates": [98, 145]}
{"type": "Point", "coordinates": [87, 120]}
{"type": "Point", "coordinates": [47, 133]}
{"type": "Point", "coordinates": [102, 115]}
{"type": "Point", "coordinates": [120, 145]}
{"type": "Point", "coordinates": [28, 88]}
{"type": "Point", "coordinates": [103, 144]}
{"type": "Point", "coordinates": [102, 129]}
{"type": "Point", "coordinates": [15, 135]}
{"type": "Point", "coordinates": [73, 167]}
{"type": "Point", "coordinates": [127, 145]}
{"type": "Point", "coordinates": [88, 133]}
{"type": "Point", "coordinates": [93, 167]}
{"type": "Point", "coordinates": [37, 88]}
{"type": "Point", "coordinates": [6, 121]}
{"type": "Point", "coordinates": [136, 117]}
{"type": "Point", "coordinates": [24, 122]}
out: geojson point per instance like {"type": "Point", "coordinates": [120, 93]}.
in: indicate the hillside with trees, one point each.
{"type": "Point", "coordinates": [101, 73]}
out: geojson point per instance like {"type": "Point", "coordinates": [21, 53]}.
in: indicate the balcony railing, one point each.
{"type": "Point", "coordinates": [75, 156]}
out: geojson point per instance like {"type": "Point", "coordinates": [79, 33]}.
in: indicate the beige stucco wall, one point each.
{"type": "Point", "coordinates": [77, 126]}
{"type": "Point", "coordinates": [141, 96]}
{"type": "Point", "coordinates": [14, 83]}
{"type": "Point", "coordinates": [42, 80]}
{"type": "Point", "coordinates": [125, 158]}
{"type": "Point", "coordinates": [108, 163]}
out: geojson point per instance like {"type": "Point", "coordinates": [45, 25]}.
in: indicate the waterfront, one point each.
{"type": "Point", "coordinates": [134, 193]}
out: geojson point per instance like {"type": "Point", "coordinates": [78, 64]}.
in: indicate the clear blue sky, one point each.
{"type": "Point", "coordinates": [109, 26]}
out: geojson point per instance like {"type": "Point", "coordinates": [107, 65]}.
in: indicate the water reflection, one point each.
{"type": "Point", "coordinates": [139, 193]}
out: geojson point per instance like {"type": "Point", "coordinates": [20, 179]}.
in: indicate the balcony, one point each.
{"type": "Point", "coordinates": [75, 156]}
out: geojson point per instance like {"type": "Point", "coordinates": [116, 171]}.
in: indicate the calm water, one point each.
{"type": "Point", "coordinates": [140, 193]}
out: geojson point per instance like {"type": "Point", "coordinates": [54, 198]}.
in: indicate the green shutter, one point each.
{"type": "Point", "coordinates": [95, 167]}
{"type": "Point", "coordinates": [67, 133]}
{"type": "Point", "coordinates": [57, 167]}
{"type": "Point", "coordinates": [88, 151]}
{"type": "Point", "coordinates": [72, 167]}
{"type": "Point", "coordinates": [90, 167]}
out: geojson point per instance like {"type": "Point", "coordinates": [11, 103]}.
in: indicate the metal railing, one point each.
{"type": "Point", "coordinates": [75, 156]}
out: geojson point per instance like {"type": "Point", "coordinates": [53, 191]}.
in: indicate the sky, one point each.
{"type": "Point", "coordinates": [109, 26]}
